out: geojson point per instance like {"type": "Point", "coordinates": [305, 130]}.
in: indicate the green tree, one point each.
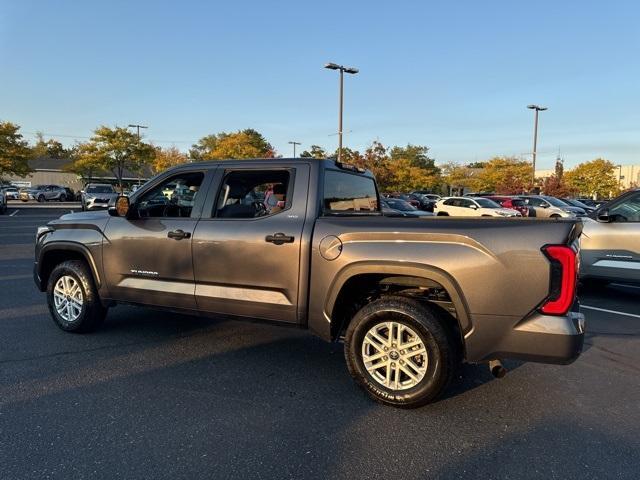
{"type": "Point", "coordinates": [504, 175]}
{"type": "Point", "coordinates": [417, 156]}
{"type": "Point", "coordinates": [167, 158]}
{"type": "Point", "coordinates": [116, 149]}
{"type": "Point", "coordinates": [458, 177]}
{"type": "Point", "coordinates": [242, 144]}
{"type": "Point", "coordinates": [84, 161]}
{"type": "Point", "coordinates": [14, 151]}
{"type": "Point", "coordinates": [315, 152]}
{"type": "Point", "coordinates": [49, 148]}
{"type": "Point", "coordinates": [596, 178]}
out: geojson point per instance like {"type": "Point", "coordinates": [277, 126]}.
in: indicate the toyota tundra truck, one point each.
{"type": "Point", "coordinates": [304, 242]}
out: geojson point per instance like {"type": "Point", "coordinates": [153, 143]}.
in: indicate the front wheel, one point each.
{"type": "Point", "coordinates": [400, 352]}
{"type": "Point", "coordinates": [63, 198]}
{"type": "Point", "coordinates": [72, 298]}
{"type": "Point", "coordinates": [41, 198]}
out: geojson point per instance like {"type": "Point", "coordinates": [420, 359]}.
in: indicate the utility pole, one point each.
{"type": "Point", "coordinates": [343, 69]}
{"type": "Point", "coordinates": [294, 147]}
{"type": "Point", "coordinates": [535, 136]}
{"type": "Point", "coordinates": [137, 127]}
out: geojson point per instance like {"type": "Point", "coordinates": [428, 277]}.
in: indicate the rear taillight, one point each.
{"type": "Point", "coordinates": [564, 272]}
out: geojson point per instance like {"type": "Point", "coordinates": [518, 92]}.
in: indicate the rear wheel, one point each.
{"type": "Point", "coordinates": [400, 352]}
{"type": "Point", "coordinates": [41, 198]}
{"type": "Point", "coordinates": [63, 198]}
{"type": "Point", "coordinates": [73, 299]}
{"type": "Point", "coordinates": [443, 214]}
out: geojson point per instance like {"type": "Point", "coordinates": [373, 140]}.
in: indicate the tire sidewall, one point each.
{"type": "Point", "coordinates": [425, 326]}
{"type": "Point", "coordinates": [79, 277]}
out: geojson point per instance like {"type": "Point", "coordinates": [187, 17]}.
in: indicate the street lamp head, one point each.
{"type": "Point", "coordinates": [332, 66]}
{"type": "Point", "coordinates": [536, 107]}
{"type": "Point", "coordinates": [351, 70]}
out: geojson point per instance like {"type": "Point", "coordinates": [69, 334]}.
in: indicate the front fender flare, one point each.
{"type": "Point", "coordinates": [66, 246]}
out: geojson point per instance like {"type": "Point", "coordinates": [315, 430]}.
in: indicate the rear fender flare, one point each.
{"type": "Point", "coordinates": [428, 272]}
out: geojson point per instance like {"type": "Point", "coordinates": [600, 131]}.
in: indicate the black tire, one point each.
{"type": "Point", "coordinates": [92, 313]}
{"type": "Point", "coordinates": [442, 351]}
{"type": "Point", "coordinates": [41, 198]}
{"type": "Point", "coordinates": [63, 198]}
{"type": "Point", "coordinates": [442, 214]}
{"type": "Point", "coordinates": [555, 216]}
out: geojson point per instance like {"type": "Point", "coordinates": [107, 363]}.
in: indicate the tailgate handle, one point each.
{"type": "Point", "coordinates": [279, 238]}
{"type": "Point", "coordinates": [178, 234]}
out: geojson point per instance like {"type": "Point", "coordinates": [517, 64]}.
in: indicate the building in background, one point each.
{"type": "Point", "coordinates": [51, 171]}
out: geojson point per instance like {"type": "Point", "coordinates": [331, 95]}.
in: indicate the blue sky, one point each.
{"type": "Point", "coordinates": [455, 76]}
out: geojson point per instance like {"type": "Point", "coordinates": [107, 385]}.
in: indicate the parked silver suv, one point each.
{"type": "Point", "coordinates": [44, 193]}
{"type": "Point", "coordinates": [544, 206]}
{"type": "Point", "coordinates": [97, 195]}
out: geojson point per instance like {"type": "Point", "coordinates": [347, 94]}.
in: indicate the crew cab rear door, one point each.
{"type": "Point", "coordinates": [246, 247]}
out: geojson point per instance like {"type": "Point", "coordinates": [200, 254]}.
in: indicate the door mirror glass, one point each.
{"type": "Point", "coordinates": [121, 207]}
{"type": "Point", "coordinates": [603, 215]}
{"type": "Point", "coordinates": [473, 206]}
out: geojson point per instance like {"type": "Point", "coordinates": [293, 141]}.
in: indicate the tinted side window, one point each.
{"type": "Point", "coordinates": [172, 198]}
{"type": "Point", "coordinates": [253, 193]}
{"type": "Point", "coordinates": [346, 192]}
{"type": "Point", "coordinates": [451, 202]}
{"type": "Point", "coordinates": [626, 211]}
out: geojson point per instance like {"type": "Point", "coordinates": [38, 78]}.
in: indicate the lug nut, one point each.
{"type": "Point", "coordinates": [402, 352]}
{"type": "Point", "coordinates": [386, 349]}
{"type": "Point", "coordinates": [401, 362]}
{"type": "Point", "coordinates": [393, 345]}
{"type": "Point", "coordinates": [385, 358]}
{"type": "Point", "coordinates": [393, 364]}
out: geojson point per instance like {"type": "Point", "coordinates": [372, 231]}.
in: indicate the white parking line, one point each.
{"type": "Point", "coordinates": [610, 311]}
{"type": "Point", "coordinates": [13, 213]}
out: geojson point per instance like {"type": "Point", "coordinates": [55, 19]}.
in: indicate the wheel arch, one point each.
{"type": "Point", "coordinates": [53, 254]}
{"type": "Point", "coordinates": [366, 276]}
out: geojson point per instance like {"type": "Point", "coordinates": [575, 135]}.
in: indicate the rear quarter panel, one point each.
{"type": "Point", "coordinates": [494, 264]}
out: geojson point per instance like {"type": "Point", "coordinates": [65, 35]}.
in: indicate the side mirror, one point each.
{"type": "Point", "coordinates": [545, 205]}
{"type": "Point", "coordinates": [473, 207]}
{"type": "Point", "coordinates": [121, 207]}
{"type": "Point", "coordinates": [603, 216]}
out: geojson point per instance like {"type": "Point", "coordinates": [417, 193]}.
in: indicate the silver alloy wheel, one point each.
{"type": "Point", "coordinates": [68, 298]}
{"type": "Point", "coordinates": [394, 355]}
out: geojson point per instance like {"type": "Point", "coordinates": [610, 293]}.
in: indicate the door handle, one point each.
{"type": "Point", "coordinates": [178, 234]}
{"type": "Point", "coordinates": [279, 238]}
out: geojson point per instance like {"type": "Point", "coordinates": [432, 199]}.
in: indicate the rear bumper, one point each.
{"type": "Point", "coordinates": [541, 338]}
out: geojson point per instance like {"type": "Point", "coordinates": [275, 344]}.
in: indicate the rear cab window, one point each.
{"type": "Point", "coordinates": [349, 193]}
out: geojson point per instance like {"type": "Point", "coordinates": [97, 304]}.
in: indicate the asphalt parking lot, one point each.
{"type": "Point", "coordinates": [160, 395]}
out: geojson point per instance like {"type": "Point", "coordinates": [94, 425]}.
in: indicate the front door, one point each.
{"type": "Point", "coordinates": [612, 249]}
{"type": "Point", "coordinates": [247, 254]}
{"type": "Point", "coordinates": [147, 257]}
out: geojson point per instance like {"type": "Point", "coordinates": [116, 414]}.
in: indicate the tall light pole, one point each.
{"type": "Point", "coordinates": [535, 136]}
{"type": "Point", "coordinates": [343, 70]}
{"type": "Point", "coordinates": [294, 147]}
{"type": "Point", "coordinates": [138, 127]}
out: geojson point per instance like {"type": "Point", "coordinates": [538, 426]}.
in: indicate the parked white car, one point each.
{"type": "Point", "coordinates": [472, 207]}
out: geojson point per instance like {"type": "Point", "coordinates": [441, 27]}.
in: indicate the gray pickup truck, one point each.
{"type": "Point", "coordinates": [304, 243]}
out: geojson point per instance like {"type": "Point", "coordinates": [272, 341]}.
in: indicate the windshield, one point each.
{"type": "Point", "coordinates": [486, 203]}
{"type": "Point", "coordinates": [100, 189]}
{"type": "Point", "coordinates": [556, 202]}
{"type": "Point", "coordinates": [400, 205]}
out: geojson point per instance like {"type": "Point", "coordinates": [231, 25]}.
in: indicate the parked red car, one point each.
{"type": "Point", "coordinates": [514, 203]}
